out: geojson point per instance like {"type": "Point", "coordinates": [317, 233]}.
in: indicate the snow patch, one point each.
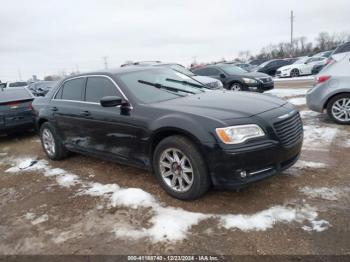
{"type": "Point", "coordinates": [318, 226]}
{"type": "Point", "coordinates": [321, 193]}
{"type": "Point", "coordinates": [26, 164]}
{"type": "Point", "coordinates": [260, 221]}
{"type": "Point", "coordinates": [298, 101]}
{"type": "Point", "coordinates": [35, 221]}
{"type": "Point", "coordinates": [308, 114]}
{"type": "Point", "coordinates": [317, 137]}
{"type": "Point", "coordinates": [301, 164]}
{"type": "Point", "coordinates": [166, 223]}
{"type": "Point", "coordinates": [287, 92]}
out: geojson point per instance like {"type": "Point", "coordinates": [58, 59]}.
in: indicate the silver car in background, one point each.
{"type": "Point", "coordinates": [331, 91]}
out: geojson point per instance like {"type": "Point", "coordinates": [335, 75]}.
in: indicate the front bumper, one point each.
{"type": "Point", "coordinates": [261, 87]}
{"type": "Point", "coordinates": [283, 73]}
{"type": "Point", "coordinates": [258, 161]}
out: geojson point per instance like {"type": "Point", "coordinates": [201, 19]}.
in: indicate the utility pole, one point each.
{"type": "Point", "coordinates": [19, 75]}
{"type": "Point", "coordinates": [291, 27]}
{"type": "Point", "coordinates": [105, 61]}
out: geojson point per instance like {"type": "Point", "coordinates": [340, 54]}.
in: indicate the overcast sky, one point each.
{"type": "Point", "coordinates": [45, 37]}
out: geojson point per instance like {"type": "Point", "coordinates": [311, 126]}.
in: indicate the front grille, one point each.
{"type": "Point", "coordinates": [289, 130]}
{"type": "Point", "coordinates": [266, 79]}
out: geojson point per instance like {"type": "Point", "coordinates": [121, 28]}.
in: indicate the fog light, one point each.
{"type": "Point", "coordinates": [243, 174]}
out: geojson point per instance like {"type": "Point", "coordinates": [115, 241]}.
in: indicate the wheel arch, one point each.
{"type": "Point", "coordinates": [163, 133]}
{"type": "Point", "coordinates": [41, 121]}
{"type": "Point", "coordinates": [325, 105]}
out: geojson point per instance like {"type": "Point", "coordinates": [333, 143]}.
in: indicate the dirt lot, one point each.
{"type": "Point", "coordinates": [87, 206]}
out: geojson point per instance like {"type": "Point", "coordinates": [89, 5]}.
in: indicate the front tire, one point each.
{"type": "Point", "coordinates": [51, 142]}
{"type": "Point", "coordinates": [338, 109]}
{"type": "Point", "coordinates": [294, 73]}
{"type": "Point", "coordinates": [236, 87]}
{"type": "Point", "coordinates": [180, 168]}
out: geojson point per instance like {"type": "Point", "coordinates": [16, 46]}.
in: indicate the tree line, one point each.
{"type": "Point", "coordinates": [299, 47]}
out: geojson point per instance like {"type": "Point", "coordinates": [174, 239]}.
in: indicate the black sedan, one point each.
{"type": "Point", "coordinates": [16, 113]}
{"type": "Point", "coordinates": [237, 79]}
{"type": "Point", "coordinates": [41, 88]}
{"type": "Point", "coordinates": [191, 137]}
{"type": "Point", "coordinates": [270, 67]}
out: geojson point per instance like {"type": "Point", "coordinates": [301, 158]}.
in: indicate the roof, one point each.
{"type": "Point", "coordinates": [113, 71]}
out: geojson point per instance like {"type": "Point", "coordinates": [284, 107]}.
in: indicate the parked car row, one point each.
{"type": "Point", "coordinates": [164, 118]}
{"type": "Point", "coordinates": [39, 88]}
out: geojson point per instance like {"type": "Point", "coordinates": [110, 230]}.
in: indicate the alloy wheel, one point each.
{"type": "Point", "coordinates": [176, 170]}
{"type": "Point", "coordinates": [236, 87]}
{"type": "Point", "coordinates": [341, 109]}
{"type": "Point", "coordinates": [294, 73]}
{"type": "Point", "coordinates": [48, 142]}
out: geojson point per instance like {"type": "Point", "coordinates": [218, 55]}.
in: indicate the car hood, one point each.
{"type": "Point", "coordinates": [204, 79]}
{"type": "Point", "coordinates": [223, 105]}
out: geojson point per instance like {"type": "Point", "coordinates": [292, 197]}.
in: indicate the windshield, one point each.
{"type": "Point", "coordinates": [232, 69]}
{"type": "Point", "coordinates": [301, 60]}
{"type": "Point", "coordinates": [264, 64]}
{"type": "Point", "coordinates": [149, 86]}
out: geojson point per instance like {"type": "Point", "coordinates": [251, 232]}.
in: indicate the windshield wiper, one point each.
{"type": "Point", "coordinates": [169, 88]}
{"type": "Point", "coordinates": [184, 82]}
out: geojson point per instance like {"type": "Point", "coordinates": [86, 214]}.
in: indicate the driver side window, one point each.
{"type": "Point", "coordinates": [99, 87]}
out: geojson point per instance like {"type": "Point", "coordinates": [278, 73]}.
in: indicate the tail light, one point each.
{"type": "Point", "coordinates": [30, 106]}
{"type": "Point", "coordinates": [329, 61]}
{"type": "Point", "coordinates": [12, 104]}
{"type": "Point", "coordinates": [322, 79]}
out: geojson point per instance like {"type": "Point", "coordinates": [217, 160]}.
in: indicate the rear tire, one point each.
{"type": "Point", "coordinates": [338, 109]}
{"type": "Point", "coordinates": [51, 142]}
{"type": "Point", "coordinates": [180, 168]}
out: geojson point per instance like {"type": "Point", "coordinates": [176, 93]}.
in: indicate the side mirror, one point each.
{"type": "Point", "coordinates": [111, 101]}
{"type": "Point", "coordinates": [222, 76]}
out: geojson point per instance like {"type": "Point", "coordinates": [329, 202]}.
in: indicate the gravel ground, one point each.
{"type": "Point", "coordinates": [87, 206]}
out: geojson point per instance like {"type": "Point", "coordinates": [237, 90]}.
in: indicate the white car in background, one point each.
{"type": "Point", "coordinates": [303, 66]}
{"type": "Point", "coordinates": [13, 84]}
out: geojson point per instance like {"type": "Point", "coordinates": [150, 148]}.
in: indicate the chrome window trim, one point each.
{"type": "Point", "coordinates": [85, 102]}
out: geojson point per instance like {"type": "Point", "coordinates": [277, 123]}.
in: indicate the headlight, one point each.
{"type": "Point", "coordinates": [239, 134]}
{"type": "Point", "coordinates": [220, 85]}
{"type": "Point", "coordinates": [249, 81]}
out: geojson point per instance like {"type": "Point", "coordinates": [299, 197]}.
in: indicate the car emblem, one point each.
{"type": "Point", "coordinates": [286, 115]}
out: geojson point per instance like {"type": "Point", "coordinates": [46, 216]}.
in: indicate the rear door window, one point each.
{"type": "Point", "coordinates": [72, 89]}
{"type": "Point", "coordinates": [207, 72]}
{"type": "Point", "coordinates": [98, 87]}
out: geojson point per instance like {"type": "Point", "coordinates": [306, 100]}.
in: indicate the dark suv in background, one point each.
{"type": "Point", "coordinates": [270, 67]}
{"type": "Point", "coordinates": [237, 79]}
